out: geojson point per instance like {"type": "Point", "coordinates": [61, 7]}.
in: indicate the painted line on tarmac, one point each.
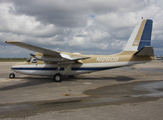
{"type": "Point", "coordinates": [140, 73]}
{"type": "Point", "coordinates": [75, 95]}
{"type": "Point", "coordinates": [7, 80]}
{"type": "Point", "coordinates": [87, 83]}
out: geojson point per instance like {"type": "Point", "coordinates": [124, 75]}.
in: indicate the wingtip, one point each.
{"type": "Point", "coordinates": [11, 41]}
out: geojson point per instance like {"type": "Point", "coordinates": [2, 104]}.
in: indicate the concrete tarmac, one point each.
{"type": "Point", "coordinates": [126, 93]}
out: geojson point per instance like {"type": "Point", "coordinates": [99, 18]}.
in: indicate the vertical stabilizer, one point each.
{"type": "Point", "coordinates": [141, 36]}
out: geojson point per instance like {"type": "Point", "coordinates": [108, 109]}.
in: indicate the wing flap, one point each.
{"type": "Point", "coordinates": [69, 57]}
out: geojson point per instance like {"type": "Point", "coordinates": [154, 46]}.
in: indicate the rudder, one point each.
{"type": "Point", "coordinates": [146, 36]}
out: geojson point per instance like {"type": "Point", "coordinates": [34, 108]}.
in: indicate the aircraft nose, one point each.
{"type": "Point", "coordinates": [14, 66]}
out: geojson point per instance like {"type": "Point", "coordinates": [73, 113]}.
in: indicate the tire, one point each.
{"type": "Point", "coordinates": [12, 75]}
{"type": "Point", "coordinates": [58, 77]}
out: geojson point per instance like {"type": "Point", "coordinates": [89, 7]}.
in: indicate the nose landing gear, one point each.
{"type": "Point", "coordinates": [12, 75]}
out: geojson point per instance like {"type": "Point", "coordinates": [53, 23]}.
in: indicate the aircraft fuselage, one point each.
{"type": "Point", "coordinates": [68, 68]}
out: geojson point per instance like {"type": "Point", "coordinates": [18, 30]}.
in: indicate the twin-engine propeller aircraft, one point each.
{"type": "Point", "coordinates": [58, 64]}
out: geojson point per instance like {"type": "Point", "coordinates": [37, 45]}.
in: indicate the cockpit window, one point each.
{"type": "Point", "coordinates": [34, 60]}
{"type": "Point", "coordinates": [29, 59]}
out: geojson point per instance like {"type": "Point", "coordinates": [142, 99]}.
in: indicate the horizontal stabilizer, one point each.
{"type": "Point", "coordinates": [145, 51]}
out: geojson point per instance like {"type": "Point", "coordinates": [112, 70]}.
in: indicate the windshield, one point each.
{"type": "Point", "coordinates": [34, 60]}
{"type": "Point", "coordinates": [29, 59]}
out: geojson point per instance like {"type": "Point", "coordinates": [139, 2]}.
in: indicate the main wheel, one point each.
{"type": "Point", "coordinates": [58, 77]}
{"type": "Point", "coordinates": [12, 75]}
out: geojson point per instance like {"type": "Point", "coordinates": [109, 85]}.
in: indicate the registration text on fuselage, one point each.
{"type": "Point", "coordinates": [107, 59]}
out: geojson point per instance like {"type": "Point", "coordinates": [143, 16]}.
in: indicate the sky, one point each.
{"type": "Point", "coordinates": [91, 26]}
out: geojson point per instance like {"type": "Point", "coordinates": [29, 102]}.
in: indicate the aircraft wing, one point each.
{"type": "Point", "coordinates": [34, 48]}
{"type": "Point", "coordinates": [47, 51]}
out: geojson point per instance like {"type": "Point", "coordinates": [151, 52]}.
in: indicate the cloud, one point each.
{"type": "Point", "coordinates": [23, 24]}
{"type": "Point", "coordinates": [93, 26]}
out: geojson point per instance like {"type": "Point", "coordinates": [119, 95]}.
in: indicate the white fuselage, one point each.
{"type": "Point", "coordinates": [67, 69]}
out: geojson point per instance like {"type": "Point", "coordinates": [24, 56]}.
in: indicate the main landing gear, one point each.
{"type": "Point", "coordinates": [58, 77]}
{"type": "Point", "coordinates": [12, 75]}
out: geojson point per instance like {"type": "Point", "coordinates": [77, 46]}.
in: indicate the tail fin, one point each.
{"type": "Point", "coordinates": [141, 36]}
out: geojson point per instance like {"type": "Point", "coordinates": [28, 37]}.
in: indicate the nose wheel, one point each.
{"type": "Point", "coordinates": [12, 75]}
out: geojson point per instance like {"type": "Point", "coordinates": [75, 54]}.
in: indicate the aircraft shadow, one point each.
{"type": "Point", "coordinates": [34, 81]}
{"type": "Point", "coordinates": [29, 81]}
{"type": "Point", "coordinates": [118, 78]}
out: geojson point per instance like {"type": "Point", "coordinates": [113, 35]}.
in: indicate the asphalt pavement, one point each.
{"type": "Point", "coordinates": [126, 93]}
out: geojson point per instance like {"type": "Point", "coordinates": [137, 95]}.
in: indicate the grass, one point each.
{"type": "Point", "coordinates": [13, 59]}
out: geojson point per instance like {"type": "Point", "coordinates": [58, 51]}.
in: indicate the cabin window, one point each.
{"type": "Point", "coordinates": [34, 60]}
{"type": "Point", "coordinates": [29, 59]}
{"type": "Point", "coordinates": [46, 62]}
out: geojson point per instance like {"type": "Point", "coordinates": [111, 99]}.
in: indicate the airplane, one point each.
{"type": "Point", "coordinates": [47, 62]}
